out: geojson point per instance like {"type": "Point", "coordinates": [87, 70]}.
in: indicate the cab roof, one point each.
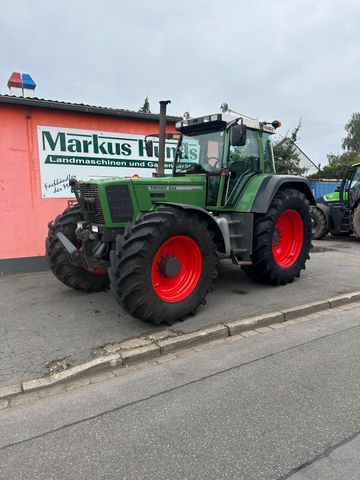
{"type": "Point", "coordinates": [222, 119]}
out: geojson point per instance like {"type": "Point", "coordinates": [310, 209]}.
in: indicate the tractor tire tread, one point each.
{"type": "Point", "coordinates": [129, 271]}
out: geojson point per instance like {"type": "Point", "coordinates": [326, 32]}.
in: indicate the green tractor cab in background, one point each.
{"type": "Point", "coordinates": [156, 241]}
{"type": "Point", "coordinates": [338, 212]}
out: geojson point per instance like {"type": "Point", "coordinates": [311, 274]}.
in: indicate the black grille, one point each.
{"type": "Point", "coordinates": [120, 204]}
{"type": "Point", "coordinates": [91, 203]}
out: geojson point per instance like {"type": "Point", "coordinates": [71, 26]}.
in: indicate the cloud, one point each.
{"type": "Point", "coordinates": [268, 59]}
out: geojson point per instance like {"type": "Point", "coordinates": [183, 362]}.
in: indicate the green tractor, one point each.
{"type": "Point", "coordinates": [339, 212]}
{"type": "Point", "coordinates": [156, 242]}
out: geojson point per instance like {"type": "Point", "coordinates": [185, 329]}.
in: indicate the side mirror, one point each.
{"type": "Point", "coordinates": [149, 147]}
{"type": "Point", "coordinates": [238, 135]}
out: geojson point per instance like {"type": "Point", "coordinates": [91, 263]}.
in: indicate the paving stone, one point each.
{"type": "Point", "coordinates": [10, 390]}
{"type": "Point", "coordinates": [112, 347]}
{"type": "Point", "coordinates": [339, 301]}
{"type": "Point", "coordinates": [354, 297]}
{"type": "Point", "coordinates": [157, 336]}
{"type": "Point", "coordinates": [210, 345]}
{"type": "Point", "coordinates": [50, 391]}
{"type": "Point", "coordinates": [239, 326]}
{"type": "Point", "coordinates": [276, 326]}
{"type": "Point", "coordinates": [234, 338]}
{"type": "Point", "coordinates": [37, 383]}
{"type": "Point", "coordinates": [135, 343]}
{"type": "Point", "coordinates": [80, 382]}
{"type": "Point", "coordinates": [140, 353]}
{"type": "Point", "coordinates": [306, 309]}
{"type": "Point", "coordinates": [120, 371]}
{"type": "Point", "coordinates": [4, 403]}
{"type": "Point", "coordinates": [249, 333]}
{"type": "Point", "coordinates": [24, 399]}
{"type": "Point", "coordinates": [166, 358]}
{"type": "Point", "coordinates": [194, 338]}
{"type": "Point", "coordinates": [264, 330]}
{"type": "Point", "coordinates": [183, 352]}
{"type": "Point", "coordinates": [101, 376]}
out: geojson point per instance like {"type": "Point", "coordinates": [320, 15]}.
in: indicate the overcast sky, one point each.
{"type": "Point", "coordinates": [268, 59]}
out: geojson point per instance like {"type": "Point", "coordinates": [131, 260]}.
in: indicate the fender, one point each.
{"type": "Point", "coordinates": [273, 183]}
{"type": "Point", "coordinates": [219, 225]}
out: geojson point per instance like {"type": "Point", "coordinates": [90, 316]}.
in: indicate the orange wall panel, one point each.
{"type": "Point", "coordinates": [24, 213]}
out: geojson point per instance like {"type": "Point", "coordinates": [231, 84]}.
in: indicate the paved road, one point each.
{"type": "Point", "coordinates": [277, 405]}
{"type": "Point", "coordinates": [42, 320]}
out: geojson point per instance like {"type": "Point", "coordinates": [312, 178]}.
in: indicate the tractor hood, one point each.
{"type": "Point", "coordinates": [185, 189]}
{"type": "Point", "coordinates": [120, 200]}
{"type": "Point", "coordinates": [331, 197]}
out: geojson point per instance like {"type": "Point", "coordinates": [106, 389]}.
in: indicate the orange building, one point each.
{"type": "Point", "coordinates": [35, 170]}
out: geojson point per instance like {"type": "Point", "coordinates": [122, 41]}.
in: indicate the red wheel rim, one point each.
{"type": "Point", "coordinates": [288, 238]}
{"type": "Point", "coordinates": [95, 271]}
{"type": "Point", "coordinates": [185, 254]}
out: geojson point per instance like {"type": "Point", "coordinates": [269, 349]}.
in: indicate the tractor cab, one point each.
{"type": "Point", "coordinates": [229, 150]}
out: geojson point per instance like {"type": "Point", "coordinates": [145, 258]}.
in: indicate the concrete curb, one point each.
{"type": "Point", "coordinates": [162, 344]}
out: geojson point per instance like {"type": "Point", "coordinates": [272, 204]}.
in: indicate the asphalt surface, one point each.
{"type": "Point", "coordinates": [42, 320]}
{"type": "Point", "coordinates": [277, 405]}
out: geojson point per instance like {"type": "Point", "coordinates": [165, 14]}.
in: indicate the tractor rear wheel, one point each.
{"type": "Point", "coordinates": [79, 278]}
{"type": "Point", "coordinates": [282, 239]}
{"type": "Point", "coordinates": [163, 267]}
{"type": "Point", "coordinates": [319, 227]}
{"type": "Point", "coordinates": [356, 221]}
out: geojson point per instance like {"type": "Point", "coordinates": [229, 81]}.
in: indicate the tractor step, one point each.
{"type": "Point", "coordinates": [240, 236]}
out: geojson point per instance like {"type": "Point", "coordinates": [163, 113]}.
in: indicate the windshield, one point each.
{"type": "Point", "coordinates": [200, 152]}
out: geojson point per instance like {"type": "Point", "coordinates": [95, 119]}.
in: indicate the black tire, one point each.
{"type": "Point", "coordinates": [73, 277]}
{"type": "Point", "coordinates": [132, 262]}
{"type": "Point", "coordinates": [265, 269]}
{"type": "Point", "coordinates": [334, 233]}
{"type": "Point", "coordinates": [356, 221]}
{"type": "Point", "coordinates": [319, 226]}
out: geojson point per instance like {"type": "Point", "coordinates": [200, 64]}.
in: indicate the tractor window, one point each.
{"type": "Point", "coordinates": [243, 162]}
{"type": "Point", "coordinates": [200, 152]}
{"type": "Point", "coordinates": [354, 187]}
{"type": "Point", "coordinates": [269, 164]}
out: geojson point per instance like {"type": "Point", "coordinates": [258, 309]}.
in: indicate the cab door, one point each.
{"type": "Point", "coordinates": [243, 164]}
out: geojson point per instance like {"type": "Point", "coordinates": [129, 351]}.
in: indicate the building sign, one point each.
{"type": "Point", "coordinates": [85, 154]}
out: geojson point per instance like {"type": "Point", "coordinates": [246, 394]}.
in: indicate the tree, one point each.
{"type": "Point", "coordinates": [286, 153]}
{"type": "Point", "coordinates": [351, 151]}
{"type": "Point", "coordinates": [146, 107]}
{"type": "Point", "coordinates": [351, 143]}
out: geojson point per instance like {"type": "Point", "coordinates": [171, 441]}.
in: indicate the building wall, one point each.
{"type": "Point", "coordinates": [24, 213]}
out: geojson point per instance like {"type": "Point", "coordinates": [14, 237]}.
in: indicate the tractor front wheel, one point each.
{"type": "Point", "coordinates": [163, 267]}
{"type": "Point", "coordinates": [79, 278]}
{"type": "Point", "coordinates": [282, 239]}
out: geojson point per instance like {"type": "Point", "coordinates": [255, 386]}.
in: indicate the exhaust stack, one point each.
{"type": "Point", "coordinates": [162, 131]}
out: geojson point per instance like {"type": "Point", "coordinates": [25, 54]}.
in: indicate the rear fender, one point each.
{"type": "Point", "coordinates": [273, 183]}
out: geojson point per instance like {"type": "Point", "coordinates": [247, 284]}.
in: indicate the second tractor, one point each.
{"type": "Point", "coordinates": [338, 213]}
